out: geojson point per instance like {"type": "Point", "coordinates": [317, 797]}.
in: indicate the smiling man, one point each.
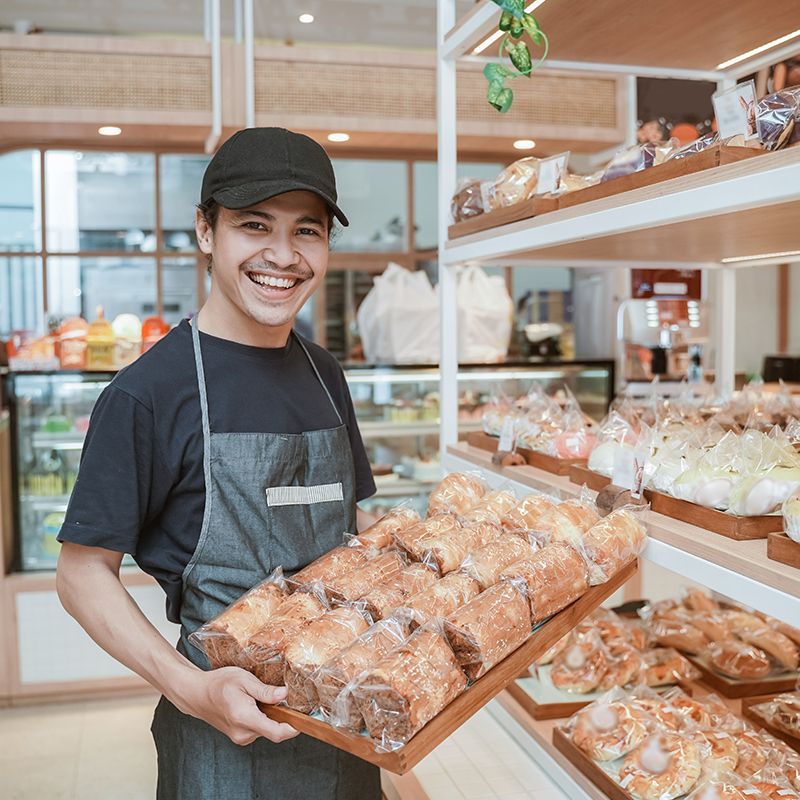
{"type": "Point", "coordinates": [184, 464]}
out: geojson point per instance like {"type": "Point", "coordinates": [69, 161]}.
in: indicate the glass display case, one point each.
{"type": "Point", "coordinates": [397, 408]}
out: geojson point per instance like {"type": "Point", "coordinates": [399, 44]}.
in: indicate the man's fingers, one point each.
{"type": "Point", "coordinates": [260, 724]}
{"type": "Point", "coordinates": [264, 693]}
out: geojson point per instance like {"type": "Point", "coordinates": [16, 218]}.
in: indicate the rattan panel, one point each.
{"type": "Point", "coordinates": [104, 80]}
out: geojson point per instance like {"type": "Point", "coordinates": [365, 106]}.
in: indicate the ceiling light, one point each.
{"type": "Point", "coordinates": [497, 34]}
{"type": "Point", "coordinates": [338, 137]}
{"type": "Point", "coordinates": [524, 144]}
{"type": "Point", "coordinates": [306, 19]}
{"type": "Point", "coordinates": [735, 259]}
{"type": "Point", "coordinates": [755, 51]}
{"type": "Point", "coordinates": [109, 130]}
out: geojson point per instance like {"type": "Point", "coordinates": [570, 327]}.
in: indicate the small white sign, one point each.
{"type": "Point", "coordinates": [507, 435]}
{"type": "Point", "coordinates": [551, 170]}
{"type": "Point", "coordinates": [670, 288]}
{"type": "Point", "coordinates": [735, 110]}
{"type": "Point", "coordinates": [629, 470]}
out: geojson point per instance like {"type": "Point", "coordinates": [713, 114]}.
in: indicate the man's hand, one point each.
{"type": "Point", "coordinates": [226, 699]}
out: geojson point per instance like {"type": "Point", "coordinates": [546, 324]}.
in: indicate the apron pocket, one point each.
{"type": "Point", "coordinates": [304, 495]}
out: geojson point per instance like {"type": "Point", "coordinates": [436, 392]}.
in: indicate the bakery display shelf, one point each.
{"type": "Point", "coordinates": [583, 476]}
{"type": "Point", "coordinates": [731, 687]}
{"type": "Point", "coordinates": [465, 705]}
{"type": "Point", "coordinates": [70, 440]}
{"type": "Point", "coordinates": [737, 569]}
{"type": "Point", "coordinates": [503, 216]}
{"type": "Point", "coordinates": [781, 548]}
{"type": "Point", "coordinates": [750, 714]}
{"type": "Point", "coordinates": [390, 430]}
{"type": "Point", "coordinates": [557, 466]}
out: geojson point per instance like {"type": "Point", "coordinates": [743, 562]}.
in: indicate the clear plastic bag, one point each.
{"type": "Point", "coordinates": [738, 660]}
{"type": "Point", "coordinates": [782, 712]}
{"type": "Point", "coordinates": [380, 534]}
{"type": "Point", "coordinates": [516, 183]}
{"type": "Point", "coordinates": [677, 631]}
{"type": "Point", "coordinates": [584, 663]}
{"type": "Point", "coordinates": [524, 517]}
{"type": "Point", "coordinates": [566, 523]}
{"type": "Point", "coordinates": [467, 202]}
{"type": "Point", "coordinates": [778, 118]}
{"type": "Point", "coordinates": [448, 551]}
{"type": "Point", "coordinates": [412, 540]}
{"type": "Point", "coordinates": [383, 599]}
{"type": "Point", "coordinates": [353, 585]}
{"type": "Point", "coordinates": [697, 146]}
{"type": "Point", "coordinates": [665, 666]}
{"type": "Point", "coordinates": [625, 665]}
{"type": "Point", "coordinates": [637, 158]}
{"type": "Point", "coordinates": [439, 600]}
{"type": "Point", "coordinates": [723, 786]}
{"type": "Point", "coordinates": [493, 506]}
{"type": "Point", "coordinates": [331, 565]}
{"type": "Point", "coordinates": [613, 542]}
{"type": "Point", "coordinates": [457, 493]}
{"type": "Point", "coordinates": [487, 563]}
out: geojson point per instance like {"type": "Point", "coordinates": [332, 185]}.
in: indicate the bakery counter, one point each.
{"type": "Point", "coordinates": [737, 569]}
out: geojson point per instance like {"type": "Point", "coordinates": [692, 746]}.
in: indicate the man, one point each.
{"type": "Point", "coordinates": [184, 449]}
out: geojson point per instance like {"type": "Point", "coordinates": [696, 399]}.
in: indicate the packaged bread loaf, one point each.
{"type": "Point", "coordinates": [517, 182]}
{"type": "Point", "coordinates": [467, 202]}
{"type": "Point", "coordinates": [333, 564]}
{"type": "Point", "coordinates": [386, 597]}
{"type": "Point", "coordinates": [409, 687]}
{"type": "Point", "coordinates": [613, 542]}
{"type": "Point", "coordinates": [381, 534]}
{"type": "Point", "coordinates": [484, 631]}
{"type": "Point", "coordinates": [554, 577]}
{"type": "Point", "coordinates": [224, 638]}
{"type": "Point", "coordinates": [738, 660]}
{"type": "Point", "coordinates": [665, 666]}
{"type": "Point", "coordinates": [355, 584]}
{"type": "Point", "coordinates": [448, 551]}
{"type": "Point", "coordinates": [334, 677]}
{"type": "Point", "coordinates": [313, 645]}
{"type": "Point", "coordinates": [412, 540]}
{"type": "Point", "coordinates": [439, 600]}
{"type": "Point", "coordinates": [698, 600]}
{"type": "Point", "coordinates": [609, 728]}
{"type": "Point", "coordinates": [497, 504]}
{"type": "Point", "coordinates": [525, 516]}
{"type": "Point", "coordinates": [566, 522]}
{"type": "Point", "coordinates": [582, 665]}
{"type": "Point", "coordinates": [679, 633]}
{"type": "Point", "coordinates": [487, 563]}
{"type": "Point", "coordinates": [456, 494]}
{"type": "Point", "coordinates": [774, 643]}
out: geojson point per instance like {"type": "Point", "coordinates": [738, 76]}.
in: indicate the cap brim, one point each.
{"type": "Point", "coordinates": [251, 193]}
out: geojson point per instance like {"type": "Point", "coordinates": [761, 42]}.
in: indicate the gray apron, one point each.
{"type": "Point", "coordinates": [272, 499]}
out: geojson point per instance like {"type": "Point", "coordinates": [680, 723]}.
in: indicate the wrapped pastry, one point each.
{"type": "Point", "coordinates": [457, 493]}
{"type": "Point", "coordinates": [412, 540]}
{"type": "Point", "coordinates": [554, 577]}
{"type": "Point", "coordinates": [312, 646]}
{"type": "Point", "coordinates": [264, 654]}
{"type": "Point", "coordinates": [780, 647]}
{"type": "Point", "coordinates": [664, 666]}
{"type": "Point", "coordinates": [406, 689]}
{"type": "Point", "coordinates": [753, 754]}
{"type": "Point", "coordinates": [582, 665]}
{"type": "Point", "coordinates": [381, 534]}
{"type": "Point", "coordinates": [688, 707]}
{"type": "Point", "coordinates": [712, 624]}
{"type": "Point", "coordinates": [782, 627]}
{"type": "Point", "coordinates": [487, 563]}
{"type": "Point", "coordinates": [609, 728]}
{"type": "Point", "coordinates": [611, 497]}
{"type": "Point", "coordinates": [613, 542]}
{"type": "Point", "coordinates": [566, 522]}
{"type": "Point", "coordinates": [698, 600]}
{"type": "Point", "coordinates": [224, 637]}
{"type": "Point", "coordinates": [333, 564]}
{"type": "Point", "coordinates": [739, 660]}
{"type": "Point", "coordinates": [652, 704]}
{"type": "Point", "coordinates": [772, 784]}
{"type": "Point", "coordinates": [516, 183]}
{"type": "Point", "coordinates": [723, 786]}
{"type": "Point", "coordinates": [484, 631]}
{"type": "Point", "coordinates": [625, 665]}
{"type": "Point", "coordinates": [336, 674]}
{"type": "Point", "coordinates": [551, 654]}
{"type": "Point", "coordinates": [355, 584]}
{"type": "Point", "coordinates": [448, 551]}
{"type": "Point", "coordinates": [666, 765]}
{"type": "Point", "coordinates": [494, 505]}
{"type": "Point", "coordinates": [439, 600]}
{"type": "Point", "coordinates": [639, 157]}
{"type": "Point", "coordinates": [386, 597]}
{"type": "Point", "coordinates": [680, 634]}
{"type": "Point", "coordinates": [467, 202]}
{"type": "Point", "coordinates": [721, 753]}
{"type": "Point", "coordinates": [525, 516]}
{"type": "Point", "coordinates": [782, 712]}
{"type": "Point", "coordinates": [778, 118]}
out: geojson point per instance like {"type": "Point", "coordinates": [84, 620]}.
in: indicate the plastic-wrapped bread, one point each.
{"type": "Point", "coordinates": [566, 522]}
{"type": "Point", "coordinates": [456, 494]}
{"type": "Point", "coordinates": [333, 679]}
{"type": "Point", "coordinates": [333, 564]}
{"type": "Point", "coordinates": [612, 543]}
{"type": "Point", "coordinates": [525, 516]}
{"type": "Point", "coordinates": [487, 563]}
{"type": "Point", "coordinates": [665, 765]}
{"type": "Point", "coordinates": [313, 645]}
{"type": "Point", "coordinates": [739, 660]}
{"type": "Point", "coordinates": [609, 728]}
{"type": "Point", "coordinates": [698, 600]}
{"type": "Point", "coordinates": [412, 540]}
{"type": "Point", "coordinates": [493, 505]}
{"type": "Point", "coordinates": [484, 631]}
{"type": "Point", "coordinates": [680, 634]}
{"type": "Point", "coordinates": [355, 584]}
{"type": "Point", "coordinates": [224, 638]}
{"type": "Point", "coordinates": [448, 551]}
{"type": "Point", "coordinates": [783, 711]}
{"type": "Point", "coordinates": [386, 597]}
{"type": "Point", "coordinates": [665, 665]}
{"type": "Point", "coordinates": [780, 647]}
{"type": "Point", "coordinates": [439, 600]}
{"type": "Point", "coordinates": [264, 654]}
{"type": "Point", "coordinates": [381, 534]}
{"type": "Point", "coordinates": [408, 688]}
{"type": "Point", "coordinates": [554, 577]}
{"type": "Point", "coordinates": [583, 665]}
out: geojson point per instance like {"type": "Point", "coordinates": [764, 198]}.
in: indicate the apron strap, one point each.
{"type": "Point", "coordinates": [319, 377]}
{"type": "Point", "coordinates": [201, 382]}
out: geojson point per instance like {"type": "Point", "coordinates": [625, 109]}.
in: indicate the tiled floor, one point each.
{"type": "Point", "coordinates": [102, 750]}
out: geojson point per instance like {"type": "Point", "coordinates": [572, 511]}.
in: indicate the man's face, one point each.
{"type": "Point", "coordinates": [268, 258]}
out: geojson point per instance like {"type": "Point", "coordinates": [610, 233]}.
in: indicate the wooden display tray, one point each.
{"type": "Point", "coordinates": [551, 464]}
{"type": "Point", "coordinates": [716, 156]}
{"type": "Point", "coordinates": [465, 705]}
{"type": "Point", "coordinates": [730, 687]}
{"type": "Point", "coordinates": [752, 716]}
{"type": "Point", "coordinates": [583, 476]}
{"type": "Point", "coordinates": [781, 548]}
{"type": "Point", "coordinates": [601, 779]}
{"type": "Point", "coordinates": [503, 216]}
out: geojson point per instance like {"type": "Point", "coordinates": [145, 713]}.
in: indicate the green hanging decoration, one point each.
{"type": "Point", "coordinates": [514, 22]}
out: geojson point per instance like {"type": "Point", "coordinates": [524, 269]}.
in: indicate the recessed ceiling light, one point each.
{"type": "Point", "coordinates": [306, 19]}
{"type": "Point", "coordinates": [755, 51]}
{"type": "Point", "coordinates": [524, 144]}
{"type": "Point", "coordinates": [497, 34]}
{"type": "Point", "coordinates": [338, 137]}
{"type": "Point", "coordinates": [109, 130]}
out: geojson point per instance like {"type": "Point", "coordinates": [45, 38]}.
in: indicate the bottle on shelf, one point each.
{"type": "Point", "coordinates": [127, 330]}
{"type": "Point", "coordinates": [72, 342]}
{"type": "Point", "coordinates": [100, 343]}
{"type": "Point", "coordinates": [153, 329]}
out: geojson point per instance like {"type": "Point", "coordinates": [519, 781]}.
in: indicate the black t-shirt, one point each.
{"type": "Point", "coordinates": [140, 487]}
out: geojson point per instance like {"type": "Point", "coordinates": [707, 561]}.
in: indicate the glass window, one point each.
{"type": "Point", "coordinates": [373, 194]}
{"type": "Point", "coordinates": [100, 201]}
{"type": "Point", "coordinates": [20, 208]}
{"type": "Point", "coordinates": [20, 294]}
{"type": "Point", "coordinates": [77, 286]}
{"type": "Point", "coordinates": [179, 288]}
{"type": "Point", "coordinates": [180, 180]}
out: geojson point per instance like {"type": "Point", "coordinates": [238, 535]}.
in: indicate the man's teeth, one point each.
{"type": "Point", "coordinates": [268, 280]}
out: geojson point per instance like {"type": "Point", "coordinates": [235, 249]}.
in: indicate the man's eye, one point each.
{"type": "Point", "coordinates": [308, 232]}
{"type": "Point", "coordinates": [254, 226]}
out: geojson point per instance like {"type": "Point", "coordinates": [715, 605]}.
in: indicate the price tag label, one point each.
{"type": "Point", "coordinates": [735, 110]}
{"type": "Point", "coordinates": [507, 435]}
{"type": "Point", "coordinates": [629, 470]}
{"type": "Point", "coordinates": [551, 170]}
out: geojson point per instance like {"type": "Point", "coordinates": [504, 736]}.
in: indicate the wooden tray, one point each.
{"type": "Point", "coordinates": [582, 475]}
{"type": "Point", "coordinates": [541, 711]}
{"type": "Point", "coordinates": [463, 707]}
{"type": "Point", "coordinates": [730, 687]}
{"type": "Point", "coordinates": [752, 716]}
{"type": "Point", "coordinates": [602, 780]}
{"type": "Point", "coordinates": [729, 525]}
{"type": "Point", "coordinates": [503, 216]}
{"type": "Point", "coordinates": [551, 464]}
{"type": "Point", "coordinates": [716, 156]}
{"type": "Point", "coordinates": [781, 548]}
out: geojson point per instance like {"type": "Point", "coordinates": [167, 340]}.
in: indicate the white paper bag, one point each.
{"type": "Point", "coordinates": [485, 316]}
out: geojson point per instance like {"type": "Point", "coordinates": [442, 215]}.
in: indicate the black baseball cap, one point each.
{"type": "Point", "coordinates": [258, 163]}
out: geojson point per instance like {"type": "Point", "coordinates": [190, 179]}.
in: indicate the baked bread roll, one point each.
{"type": "Point", "coordinates": [457, 493]}
{"type": "Point", "coordinates": [780, 647]}
{"type": "Point", "coordinates": [665, 766]}
{"type": "Point", "coordinates": [411, 540]}
{"type": "Point", "coordinates": [312, 646]}
{"type": "Point", "coordinates": [721, 787]}
{"type": "Point", "coordinates": [264, 653]}
{"type": "Point", "coordinates": [332, 680]}
{"type": "Point", "coordinates": [608, 731]}
{"type": "Point", "coordinates": [680, 634]}
{"type": "Point", "coordinates": [711, 623]}
{"type": "Point", "coordinates": [753, 754]}
{"type": "Point", "coordinates": [625, 665]}
{"type": "Point", "coordinates": [664, 665]}
{"type": "Point", "coordinates": [654, 706]}
{"type": "Point", "coordinates": [484, 631]}
{"type": "Point", "coordinates": [492, 507]}
{"type": "Point", "coordinates": [381, 534]}
{"type": "Point", "coordinates": [739, 660]}
{"type": "Point", "coordinates": [525, 516]}
{"type": "Point", "coordinates": [566, 523]}
{"type": "Point", "coordinates": [439, 600]}
{"type": "Point", "coordinates": [406, 689]}
{"type": "Point", "coordinates": [554, 577]}
{"type": "Point", "coordinates": [697, 600]}
{"type": "Point", "coordinates": [776, 789]}
{"type": "Point", "coordinates": [333, 564]}
{"type": "Point", "coordinates": [448, 551]}
{"type": "Point", "coordinates": [689, 708]}
{"type": "Point", "coordinates": [355, 584]}
{"type": "Point", "coordinates": [612, 543]}
{"type": "Point", "coordinates": [487, 563]}
{"type": "Point", "coordinates": [783, 712]}
{"type": "Point", "coordinates": [581, 666]}
{"type": "Point", "coordinates": [386, 597]}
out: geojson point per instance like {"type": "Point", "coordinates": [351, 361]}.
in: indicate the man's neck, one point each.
{"type": "Point", "coordinates": [235, 327]}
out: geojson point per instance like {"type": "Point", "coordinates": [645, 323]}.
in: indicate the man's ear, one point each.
{"type": "Point", "coordinates": [205, 235]}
